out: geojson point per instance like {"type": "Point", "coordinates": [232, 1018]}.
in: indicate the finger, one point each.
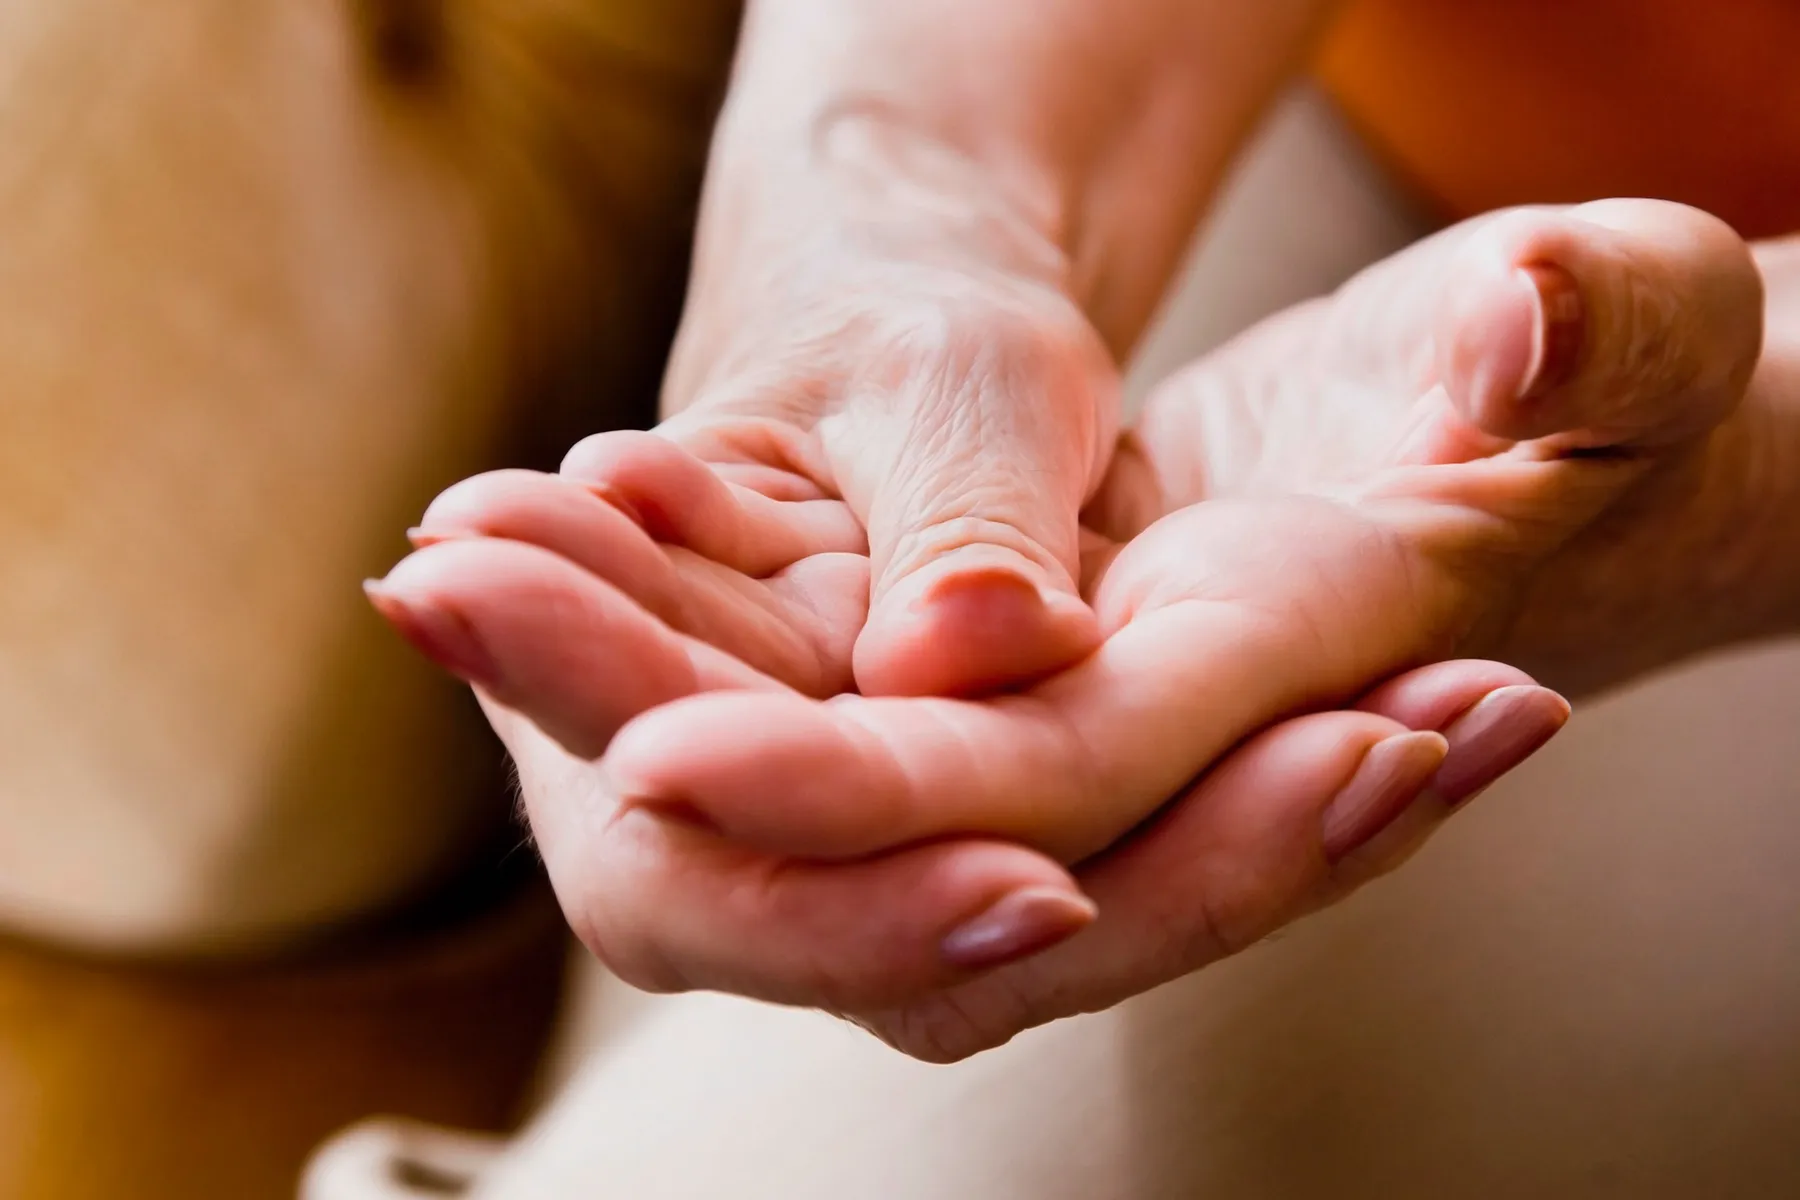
{"type": "Point", "coordinates": [1619, 323]}
{"type": "Point", "coordinates": [971, 475]}
{"type": "Point", "coordinates": [797, 625]}
{"type": "Point", "coordinates": [547, 639]}
{"type": "Point", "coordinates": [1069, 765]}
{"type": "Point", "coordinates": [1492, 716]}
{"type": "Point", "coordinates": [564, 517]}
{"type": "Point", "coordinates": [1431, 697]}
{"type": "Point", "coordinates": [671, 906]}
{"type": "Point", "coordinates": [682, 501]}
{"type": "Point", "coordinates": [1218, 866]}
{"type": "Point", "coordinates": [1299, 814]}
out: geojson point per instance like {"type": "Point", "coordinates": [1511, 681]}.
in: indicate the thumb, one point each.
{"type": "Point", "coordinates": [1628, 324]}
{"type": "Point", "coordinates": [970, 469]}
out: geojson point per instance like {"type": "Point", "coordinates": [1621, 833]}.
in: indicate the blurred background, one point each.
{"type": "Point", "coordinates": [274, 272]}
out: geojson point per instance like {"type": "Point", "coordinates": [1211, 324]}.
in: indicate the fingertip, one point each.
{"type": "Point", "coordinates": [775, 772]}
{"type": "Point", "coordinates": [1620, 323]}
{"type": "Point", "coordinates": [1391, 775]}
{"type": "Point", "coordinates": [867, 935]}
{"type": "Point", "coordinates": [1431, 697]}
{"type": "Point", "coordinates": [971, 631]}
{"type": "Point", "coordinates": [538, 634]}
{"type": "Point", "coordinates": [1501, 731]}
{"type": "Point", "coordinates": [435, 629]}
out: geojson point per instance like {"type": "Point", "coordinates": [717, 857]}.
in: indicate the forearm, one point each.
{"type": "Point", "coordinates": [1075, 137]}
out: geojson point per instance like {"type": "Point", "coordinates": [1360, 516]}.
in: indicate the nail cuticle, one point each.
{"type": "Point", "coordinates": [439, 634]}
{"type": "Point", "coordinates": [1561, 328]}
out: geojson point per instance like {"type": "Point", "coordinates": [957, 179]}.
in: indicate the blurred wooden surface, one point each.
{"type": "Point", "coordinates": [148, 1082]}
{"type": "Point", "coordinates": [273, 273]}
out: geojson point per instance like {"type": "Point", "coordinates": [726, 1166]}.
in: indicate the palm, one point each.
{"type": "Point", "coordinates": [1370, 527]}
{"type": "Point", "coordinates": [1285, 411]}
{"type": "Point", "coordinates": [742, 521]}
{"type": "Point", "coordinates": [1354, 524]}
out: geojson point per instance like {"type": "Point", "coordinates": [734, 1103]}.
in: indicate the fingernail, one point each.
{"type": "Point", "coordinates": [1018, 925]}
{"type": "Point", "coordinates": [1390, 777]}
{"type": "Point", "coordinates": [989, 585]}
{"type": "Point", "coordinates": [421, 538]}
{"type": "Point", "coordinates": [618, 500]}
{"type": "Point", "coordinates": [437, 633]}
{"type": "Point", "coordinates": [1502, 730]}
{"type": "Point", "coordinates": [1559, 330]}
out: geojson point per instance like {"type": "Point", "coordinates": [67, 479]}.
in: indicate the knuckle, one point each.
{"type": "Point", "coordinates": [978, 375]}
{"type": "Point", "coordinates": [943, 1029]}
{"type": "Point", "coordinates": [970, 337]}
{"type": "Point", "coordinates": [807, 970]}
{"type": "Point", "coordinates": [979, 523]}
{"type": "Point", "coordinates": [958, 1023]}
{"type": "Point", "coordinates": [753, 429]}
{"type": "Point", "coordinates": [627, 859]}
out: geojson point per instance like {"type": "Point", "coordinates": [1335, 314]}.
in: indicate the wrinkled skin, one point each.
{"type": "Point", "coordinates": [1358, 487]}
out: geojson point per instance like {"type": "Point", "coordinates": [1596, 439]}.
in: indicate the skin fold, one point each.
{"type": "Point", "coordinates": [1474, 406]}
{"type": "Point", "coordinates": [917, 215]}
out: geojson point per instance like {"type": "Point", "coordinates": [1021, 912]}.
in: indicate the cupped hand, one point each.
{"type": "Point", "coordinates": [914, 353]}
{"type": "Point", "coordinates": [887, 414]}
{"type": "Point", "coordinates": [805, 851]}
{"type": "Point", "coordinates": [1640, 586]}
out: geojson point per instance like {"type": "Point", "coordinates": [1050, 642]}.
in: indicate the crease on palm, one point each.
{"type": "Point", "coordinates": [1402, 560]}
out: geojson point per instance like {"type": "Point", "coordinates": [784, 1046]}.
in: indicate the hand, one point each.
{"type": "Point", "coordinates": [1696, 555]}
{"type": "Point", "coordinates": [1484, 457]}
{"type": "Point", "coordinates": [917, 356]}
{"type": "Point", "coordinates": [674, 904]}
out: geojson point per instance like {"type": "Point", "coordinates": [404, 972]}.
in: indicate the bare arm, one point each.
{"type": "Point", "coordinates": [1095, 131]}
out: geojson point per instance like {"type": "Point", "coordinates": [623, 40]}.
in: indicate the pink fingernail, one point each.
{"type": "Point", "coordinates": [1002, 594]}
{"type": "Point", "coordinates": [421, 538]}
{"type": "Point", "coordinates": [1501, 731]}
{"type": "Point", "coordinates": [1018, 925]}
{"type": "Point", "coordinates": [650, 522]}
{"type": "Point", "coordinates": [988, 586]}
{"type": "Point", "coordinates": [437, 633]}
{"type": "Point", "coordinates": [1561, 327]}
{"type": "Point", "coordinates": [1389, 779]}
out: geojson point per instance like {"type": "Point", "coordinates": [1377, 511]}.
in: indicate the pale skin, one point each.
{"type": "Point", "coordinates": [712, 844]}
{"type": "Point", "coordinates": [1423, 466]}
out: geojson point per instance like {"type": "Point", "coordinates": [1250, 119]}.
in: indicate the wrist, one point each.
{"type": "Point", "coordinates": [1730, 551]}
{"type": "Point", "coordinates": [1705, 554]}
{"type": "Point", "coordinates": [1092, 134]}
{"type": "Point", "coordinates": [863, 208]}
